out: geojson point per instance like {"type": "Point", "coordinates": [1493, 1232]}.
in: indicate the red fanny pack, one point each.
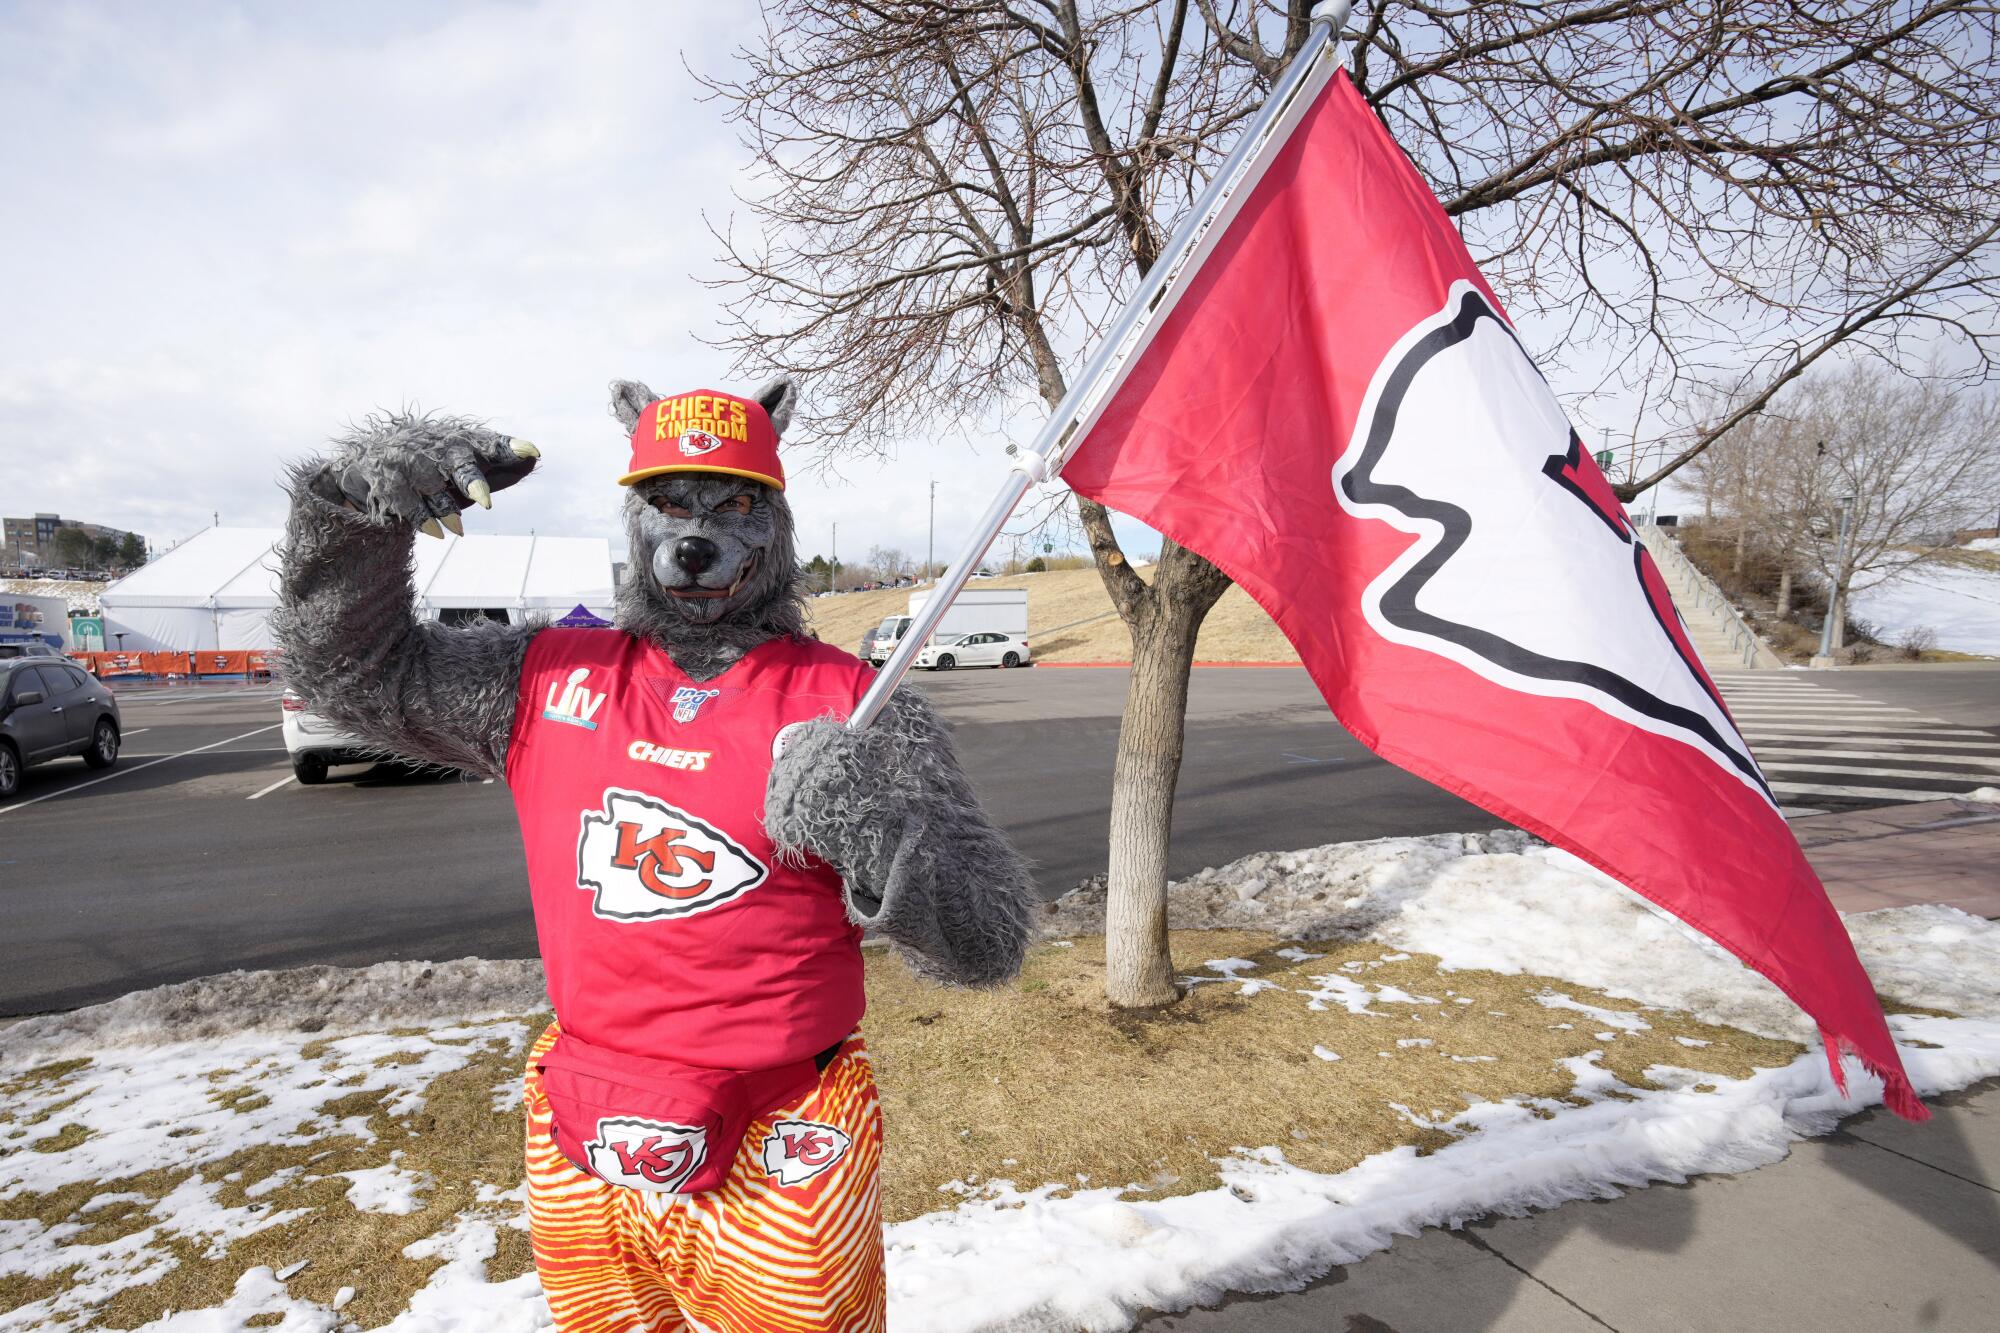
{"type": "Point", "coordinates": [657, 1125]}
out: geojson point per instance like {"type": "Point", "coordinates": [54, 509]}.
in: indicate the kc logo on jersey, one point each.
{"type": "Point", "coordinates": [646, 1154]}
{"type": "Point", "coordinates": [797, 1150]}
{"type": "Point", "coordinates": [688, 700]}
{"type": "Point", "coordinates": [570, 702]}
{"type": "Point", "coordinates": [649, 861]}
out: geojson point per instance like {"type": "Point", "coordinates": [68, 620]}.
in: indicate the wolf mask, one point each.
{"type": "Point", "coordinates": [713, 569]}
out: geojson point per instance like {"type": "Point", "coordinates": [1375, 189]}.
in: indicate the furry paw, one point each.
{"type": "Point", "coordinates": [422, 470]}
{"type": "Point", "coordinates": [814, 787]}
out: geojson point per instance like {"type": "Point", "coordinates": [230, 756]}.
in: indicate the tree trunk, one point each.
{"type": "Point", "coordinates": [1138, 968]}
{"type": "Point", "coordinates": [1784, 593]}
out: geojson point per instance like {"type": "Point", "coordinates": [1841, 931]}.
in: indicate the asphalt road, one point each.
{"type": "Point", "coordinates": [197, 855]}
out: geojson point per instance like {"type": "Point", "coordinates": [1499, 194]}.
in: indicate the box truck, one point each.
{"type": "Point", "coordinates": [974, 611]}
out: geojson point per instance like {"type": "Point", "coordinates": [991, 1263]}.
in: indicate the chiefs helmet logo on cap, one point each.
{"type": "Point", "coordinates": [706, 431]}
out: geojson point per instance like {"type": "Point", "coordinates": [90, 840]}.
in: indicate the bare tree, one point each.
{"type": "Point", "coordinates": [1918, 460]}
{"type": "Point", "coordinates": [956, 193]}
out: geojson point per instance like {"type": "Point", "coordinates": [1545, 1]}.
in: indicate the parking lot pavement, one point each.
{"type": "Point", "coordinates": [196, 854]}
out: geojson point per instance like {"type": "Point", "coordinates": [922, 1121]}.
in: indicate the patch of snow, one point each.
{"type": "Point", "coordinates": [1960, 604]}
{"type": "Point", "coordinates": [1324, 1054]}
{"type": "Point", "coordinates": [302, 999]}
{"type": "Point", "coordinates": [386, 1189]}
{"type": "Point", "coordinates": [1355, 997]}
{"type": "Point", "coordinates": [1617, 1018]}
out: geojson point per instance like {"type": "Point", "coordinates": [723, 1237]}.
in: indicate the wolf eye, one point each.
{"type": "Point", "coordinates": [735, 504]}
{"type": "Point", "coordinates": [669, 508]}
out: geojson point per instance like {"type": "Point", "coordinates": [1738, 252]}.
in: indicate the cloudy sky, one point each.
{"type": "Point", "coordinates": [229, 229]}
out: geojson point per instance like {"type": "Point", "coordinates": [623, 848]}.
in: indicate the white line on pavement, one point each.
{"type": "Point", "coordinates": [1866, 793]}
{"type": "Point", "coordinates": [1786, 766]}
{"type": "Point", "coordinates": [273, 787]}
{"type": "Point", "coordinates": [121, 772]}
{"type": "Point", "coordinates": [1935, 756]}
{"type": "Point", "coordinates": [1834, 713]}
{"type": "Point", "coordinates": [133, 732]}
{"type": "Point", "coordinates": [1869, 736]}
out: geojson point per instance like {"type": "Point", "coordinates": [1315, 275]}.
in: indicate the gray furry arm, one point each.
{"type": "Point", "coordinates": [353, 646]}
{"type": "Point", "coordinates": [890, 808]}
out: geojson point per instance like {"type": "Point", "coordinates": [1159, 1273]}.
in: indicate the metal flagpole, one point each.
{"type": "Point", "coordinates": [1031, 465]}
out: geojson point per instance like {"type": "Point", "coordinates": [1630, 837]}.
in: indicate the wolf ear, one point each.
{"type": "Point", "coordinates": [779, 397]}
{"type": "Point", "coordinates": [628, 399]}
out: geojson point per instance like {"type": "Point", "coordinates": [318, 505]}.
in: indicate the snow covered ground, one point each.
{"type": "Point", "coordinates": [1960, 603]}
{"type": "Point", "coordinates": [81, 594]}
{"type": "Point", "coordinates": [1004, 1256]}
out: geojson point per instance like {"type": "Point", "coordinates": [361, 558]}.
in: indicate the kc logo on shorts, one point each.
{"type": "Point", "coordinates": [646, 1154]}
{"type": "Point", "coordinates": [648, 861]}
{"type": "Point", "coordinates": [797, 1150]}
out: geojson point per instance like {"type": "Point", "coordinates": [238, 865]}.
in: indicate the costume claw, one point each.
{"type": "Point", "coordinates": [482, 493]}
{"type": "Point", "coordinates": [454, 522]}
{"type": "Point", "coordinates": [429, 527]}
{"type": "Point", "coordinates": [522, 449]}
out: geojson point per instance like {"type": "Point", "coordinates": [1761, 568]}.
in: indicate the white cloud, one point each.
{"type": "Point", "coordinates": [231, 232]}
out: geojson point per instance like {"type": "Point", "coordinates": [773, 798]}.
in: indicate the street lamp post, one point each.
{"type": "Point", "coordinates": [1830, 634]}
{"type": "Point", "coordinates": [930, 541]}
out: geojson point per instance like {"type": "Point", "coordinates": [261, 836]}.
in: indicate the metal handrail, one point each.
{"type": "Point", "coordinates": [1743, 640]}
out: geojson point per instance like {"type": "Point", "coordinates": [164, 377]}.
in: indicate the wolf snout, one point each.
{"type": "Point", "coordinates": [695, 554]}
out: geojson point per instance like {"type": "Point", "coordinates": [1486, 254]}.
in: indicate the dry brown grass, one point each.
{"type": "Point", "coordinates": [1070, 619]}
{"type": "Point", "coordinates": [1045, 1083]}
{"type": "Point", "coordinates": [1038, 1083]}
{"type": "Point", "coordinates": [457, 1140]}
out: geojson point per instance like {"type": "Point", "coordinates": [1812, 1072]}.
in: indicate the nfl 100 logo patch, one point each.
{"type": "Point", "coordinates": [688, 701]}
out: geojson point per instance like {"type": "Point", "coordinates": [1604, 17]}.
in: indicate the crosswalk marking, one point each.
{"type": "Point", "coordinates": [1800, 752]}
{"type": "Point", "coordinates": [1872, 794]}
{"type": "Point", "coordinates": [1820, 742]}
{"type": "Point", "coordinates": [1871, 736]}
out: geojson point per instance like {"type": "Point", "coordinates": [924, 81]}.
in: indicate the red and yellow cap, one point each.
{"type": "Point", "coordinates": [706, 431]}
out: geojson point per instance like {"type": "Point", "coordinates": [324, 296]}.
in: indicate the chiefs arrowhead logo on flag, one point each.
{"type": "Point", "coordinates": [1330, 405]}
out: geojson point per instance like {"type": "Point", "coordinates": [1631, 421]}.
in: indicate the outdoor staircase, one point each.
{"type": "Point", "coordinates": [1718, 633]}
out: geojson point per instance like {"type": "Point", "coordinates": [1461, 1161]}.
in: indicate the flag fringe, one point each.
{"type": "Point", "coordinates": [1897, 1094]}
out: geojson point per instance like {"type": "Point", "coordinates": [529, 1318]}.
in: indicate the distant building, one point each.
{"type": "Point", "coordinates": [29, 543]}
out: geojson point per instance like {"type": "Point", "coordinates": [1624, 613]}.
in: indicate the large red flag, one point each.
{"type": "Point", "coordinates": [1334, 410]}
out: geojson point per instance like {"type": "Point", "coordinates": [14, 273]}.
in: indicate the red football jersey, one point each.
{"type": "Point", "coordinates": [668, 925]}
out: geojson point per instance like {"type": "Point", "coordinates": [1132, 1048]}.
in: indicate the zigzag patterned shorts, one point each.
{"type": "Point", "coordinates": [759, 1255]}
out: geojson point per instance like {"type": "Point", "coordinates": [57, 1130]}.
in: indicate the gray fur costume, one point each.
{"type": "Point", "coordinates": [712, 574]}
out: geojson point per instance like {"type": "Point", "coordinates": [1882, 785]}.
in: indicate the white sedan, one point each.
{"type": "Point", "coordinates": [986, 649]}
{"type": "Point", "coordinates": [315, 743]}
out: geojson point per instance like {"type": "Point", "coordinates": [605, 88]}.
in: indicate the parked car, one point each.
{"type": "Point", "coordinates": [28, 648]}
{"type": "Point", "coordinates": [867, 644]}
{"type": "Point", "coordinates": [987, 649]}
{"type": "Point", "coordinates": [316, 744]}
{"type": "Point", "coordinates": [50, 709]}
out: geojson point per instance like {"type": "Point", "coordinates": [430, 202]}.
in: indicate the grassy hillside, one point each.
{"type": "Point", "coordinates": [1070, 619]}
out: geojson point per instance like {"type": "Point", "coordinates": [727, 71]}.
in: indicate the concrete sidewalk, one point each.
{"type": "Point", "coordinates": [1899, 855]}
{"type": "Point", "coordinates": [1880, 1226]}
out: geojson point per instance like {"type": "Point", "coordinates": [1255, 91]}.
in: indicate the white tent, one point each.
{"type": "Point", "coordinates": [215, 590]}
